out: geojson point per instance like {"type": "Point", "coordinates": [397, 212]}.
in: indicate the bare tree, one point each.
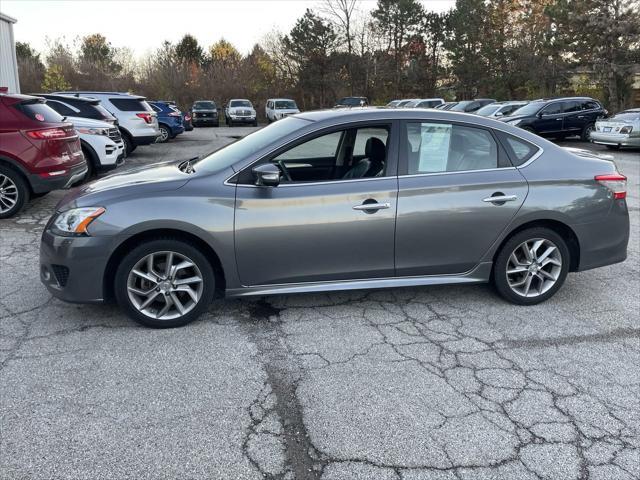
{"type": "Point", "coordinates": [341, 13]}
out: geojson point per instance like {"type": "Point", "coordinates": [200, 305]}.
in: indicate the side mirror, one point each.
{"type": "Point", "coordinates": [267, 175]}
{"type": "Point", "coordinates": [499, 114]}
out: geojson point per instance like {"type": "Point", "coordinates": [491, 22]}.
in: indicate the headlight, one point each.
{"type": "Point", "coordinates": [626, 129]}
{"type": "Point", "coordinates": [93, 131]}
{"type": "Point", "coordinates": [74, 222]}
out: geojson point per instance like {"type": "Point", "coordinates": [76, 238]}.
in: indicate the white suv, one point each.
{"type": "Point", "coordinates": [240, 110]}
{"type": "Point", "coordinates": [137, 121]}
{"type": "Point", "coordinates": [277, 108]}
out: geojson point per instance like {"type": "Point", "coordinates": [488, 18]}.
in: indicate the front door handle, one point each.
{"type": "Point", "coordinates": [500, 199]}
{"type": "Point", "coordinates": [372, 206]}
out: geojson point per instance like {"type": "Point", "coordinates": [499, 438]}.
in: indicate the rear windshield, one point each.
{"type": "Point", "coordinates": [627, 116]}
{"type": "Point", "coordinates": [130, 104]}
{"type": "Point", "coordinates": [282, 104]}
{"type": "Point", "coordinates": [205, 105]}
{"type": "Point", "coordinates": [240, 103]}
{"type": "Point", "coordinates": [243, 148]}
{"type": "Point", "coordinates": [40, 112]}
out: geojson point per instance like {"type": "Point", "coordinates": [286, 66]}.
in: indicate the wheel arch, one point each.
{"type": "Point", "coordinates": [94, 159]}
{"type": "Point", "coordinates": [130, 242]}
{"type": "Point", "coordinates": [561, 228]}
{"type": "Point", "coordinates": [19, 169]}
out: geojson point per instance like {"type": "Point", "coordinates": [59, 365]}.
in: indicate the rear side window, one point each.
{"type": "Point", "coordinates": [590, 105]}
{"type": "Point", "coordinates": [130, 104]}
{"type": "Point", "coordinates": [155, 107]}
{"type": "Point", "coordinates": [520, 151]}
{"type": "Point", "coordinates": [62, 109]}
{"type": "Point", "coordinates": [40, 112]}
{"type": "Point", "coordinates": [88, 110]}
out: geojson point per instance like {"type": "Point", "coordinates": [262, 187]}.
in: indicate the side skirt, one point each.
{"type": "Point", "coordinates": [480, 274]}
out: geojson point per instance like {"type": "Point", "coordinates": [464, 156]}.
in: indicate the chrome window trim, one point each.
{"type": "Point", "coordinates": [391, 119]}
{"type": "Point", "coordinates": [304, 184]}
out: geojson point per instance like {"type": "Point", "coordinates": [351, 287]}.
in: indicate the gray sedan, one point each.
{"type": "Point", "coordinates": [621, 130]}
{"type": "Point", "coordinates": [337, 200]}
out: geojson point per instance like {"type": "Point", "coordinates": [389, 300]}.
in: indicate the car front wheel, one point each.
{"type": "Point", "coordinates": [586, 132]}
{"type": "Point", "coordinates": [164, 283]}
{"type": "Point", "coordinates": [531, 266]}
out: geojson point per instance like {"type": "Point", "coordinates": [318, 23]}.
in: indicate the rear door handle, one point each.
{"type": "Point", "coordinates": [372, 206]}
{"type": "Point", "coordinates": [501, 199]}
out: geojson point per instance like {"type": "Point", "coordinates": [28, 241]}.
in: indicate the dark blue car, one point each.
{"type": "Point", "coordinates": [169, 120]}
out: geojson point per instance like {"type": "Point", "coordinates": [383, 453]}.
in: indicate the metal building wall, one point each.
{"type": "Point", "coordinates": [8, 63]}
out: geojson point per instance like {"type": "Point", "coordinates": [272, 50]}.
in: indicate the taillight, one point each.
{"type": "Point", "coordinates": [145, 116]}
{"type": "Point", "coordinates": [615, 182]}
{"type": "Point", "coordinates": [48, 133]}
{"type": "Point", "coordinates": [628, 129]}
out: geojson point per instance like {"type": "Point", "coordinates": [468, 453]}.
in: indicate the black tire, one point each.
{"type": "Point", "coordinates": [165, 134]}
{"type": "Point", "coordinates": [159, 245]}
{"type": "Point", "coordinates": [499, 275]}
{"type": "Point", "coordinates": [129, 146]}
{"type": "Point", "coordinates": [13, 183]}
{"type": "Point", "coordinates": [586, 132]}
{"type": "Point", "coordinates": [613, 147]}
{"type": "Point", "coordinates": [91, 167]}
{"type": "Point", "coordinates": [255, 124]}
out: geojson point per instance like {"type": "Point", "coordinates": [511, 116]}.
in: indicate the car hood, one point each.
{"type": "Point", "coordinates": [88, 122]}
{"type": "Point", "coordinates": [151, 178]}
{"type": "Point", "coordinates": [509, 118]}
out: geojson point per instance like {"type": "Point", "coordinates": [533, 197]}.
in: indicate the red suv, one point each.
{"type": "Point", "coordinates": [39, 151]}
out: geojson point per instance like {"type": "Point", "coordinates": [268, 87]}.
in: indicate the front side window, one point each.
{"type": "Point", "coordinates": [572, 107]}
{"type": "Point", "coordinates": [553, 109]}
{"type": "Point", "coordinates": [442, 147]}
{"type": "Point", "coordinates": [62, 109]}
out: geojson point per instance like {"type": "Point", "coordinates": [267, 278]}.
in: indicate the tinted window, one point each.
{"type": "Point", "coordinates": [365, 134]}
{"type": "Point", "coordinates": [240, 103]}
{"type": "Point", "coordinates": [39, 112]}
{"type": "Point", "coordinates": [205, 105]}
{"type": "Point", "coordinates": [519, 150]}
{"type": "Point", "coordinates": [237, 151]}
{"type": "Point", "coordinates": [130, 104]}
{"type": "Point", "coordinates": [442, 147]}
{"type": "Point", "coordinates": [589, 105]}
{"type": "Point", "coordinates": [552, 109]}
{"type": "Point", "coordinates": [88, 109]}
{"type": "Point", "coordinates": [572, 106]}
{"type": "Point", "coordinates": [284, 104]}
{"type": "Point", "coordinates": [62, 109]}
{"type": "Point", "coordinates": [155, 107]}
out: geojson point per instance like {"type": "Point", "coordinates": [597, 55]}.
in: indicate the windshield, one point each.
{"type": "Point", "coordinates": [240, 103]}
{"type": "Point", "coordinates": [205, 105]}
{"type": "Point", "coordinates": [460, 106]}
{"type": "Point", "coordinates": [351, 101]}
{"type": "Point", "coordinates": [288, 104]}
{"type": "Point", "coordinates": [627, 116]}
{"type": "Point", "coordinates": [487, 110]}
{"type": "Point", "coordinates": [243, 148]}
{"type": "Point", "coordinates": [530, 109]}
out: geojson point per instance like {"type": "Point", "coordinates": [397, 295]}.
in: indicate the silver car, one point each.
{"type": "Point", "coordinates": [621, 130]}
{"type": "Point", "coordinates": [339, 200]}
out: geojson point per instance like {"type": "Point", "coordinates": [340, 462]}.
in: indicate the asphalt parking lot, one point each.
{"type": "Point", "coordinates": [417, 383]}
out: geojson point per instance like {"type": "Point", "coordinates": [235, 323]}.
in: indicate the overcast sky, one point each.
{"type": "Point", "coordinates": [143, 25]}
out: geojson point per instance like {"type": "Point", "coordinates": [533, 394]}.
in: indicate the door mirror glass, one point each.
{"type": "Point", "coordinates": [499, 114]}
{"type": "Point", "coordinates": [267, 175]}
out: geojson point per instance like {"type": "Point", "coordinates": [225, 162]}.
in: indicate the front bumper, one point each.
{"type": "Point", "coordinates": [72, 268]}
{"type": "Point", "coordinates": [242, 119]}
{"type": "Point", "coordinates": [618, 139]}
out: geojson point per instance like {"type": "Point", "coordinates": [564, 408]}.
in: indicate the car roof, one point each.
{"type": "Point", "coordinates": [56, 96]}
{"type": "Point", "coordinates": [91, 92]}
{"type": "Point", "coordinates": [276, 99]}
{"type": "Point", "coordinates": [242, 99]}
{"type": "Point", "coordinates": [13, 98]}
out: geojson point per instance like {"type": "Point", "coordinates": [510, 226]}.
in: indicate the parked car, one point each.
{"type": "Point", "coordinates": [425, 103]}
{"type": "Point", "coordinates": [393, 103]}
{"type": "Point", "coordinates": [279, 108]}
{"type": "Point", "coordinates": [500, 109]}
{"type": "Point", "coordinates": [75, 106]}
{"type": "Point", "coordinates": [136, 119]}
{"type": "Point", "coordinates": [405, 102]}
{"type": "Point", "coordinates": [39, 151]}
{"type": "Point", "coordinates": [240, 110]}
{"type": "Point", "coordinates": [169, 120]}
{"type": "Point", "coordinates": [620, 130]}
{"type": "Point", "coordinates": [335, 200]}
{"type": "Point", "coordinates": [101, 142]}
{"type": "Point", "coordinates": [559, 117]}
{"type": "Point", "coordinates": [471, 106]}
{"type": "Point", "coordinates": [348, 102]}
{"type": "Point", "coordinates": [204, 112]}
{"type": "Point", "coordinates": [447, 106]}
{"type": "Point", "coordinates": [186, 121]}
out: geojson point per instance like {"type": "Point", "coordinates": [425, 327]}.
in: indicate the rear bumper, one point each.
{"type": "Point", "coordinates": [204, 121]}
{"type": "Point", "coordinates": [615, 139]}
{"type": "Point", "coordinates": [604, 242]}
{"type": "Point", "coordinates": [72, 268]}
{"type": "Point", "coordinates": [41, 184]}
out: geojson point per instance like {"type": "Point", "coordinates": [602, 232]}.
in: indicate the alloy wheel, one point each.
{"type": "Point", "coordinates": [164, 135]}
{"type": "Point", "coordinates": [8, 194]}
{"type": "Point", "coordinates": [165, 285]}
{"type": "Point", "coordinates": [534, 267]}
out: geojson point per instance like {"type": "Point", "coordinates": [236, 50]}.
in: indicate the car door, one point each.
{"type": "Point", "coordinates": [457, 193]}
{"type": "Point", "coordinates": [321, 229]}
{"type": "Point", "coordinates": [550, 119]}
{"type": "Point", "coordinates": [574, 118]}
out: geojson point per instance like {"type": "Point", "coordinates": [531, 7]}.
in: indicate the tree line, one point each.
{"type": "Point", "coordinates": [504, 49]}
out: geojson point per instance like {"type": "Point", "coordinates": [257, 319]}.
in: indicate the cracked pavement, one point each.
{"type": "Point", "coordinates": [418, 383]}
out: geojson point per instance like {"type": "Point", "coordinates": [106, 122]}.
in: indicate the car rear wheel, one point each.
{"type": "Point", "coordinates": [14, 192]}
{"type": "Point", "coordinates": [165, 135]}
{"type": "Point", "coordinates": [586, 132]}
{"type": "Point", "coordinates": [164, 283]}
{"type": "Point", "coordinates": [128, 144]}
{"type": "Point", "coordinates": [531, 266]}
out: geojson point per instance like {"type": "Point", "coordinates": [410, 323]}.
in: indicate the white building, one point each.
{"type": "Point", "coordinates": [8, 61]}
